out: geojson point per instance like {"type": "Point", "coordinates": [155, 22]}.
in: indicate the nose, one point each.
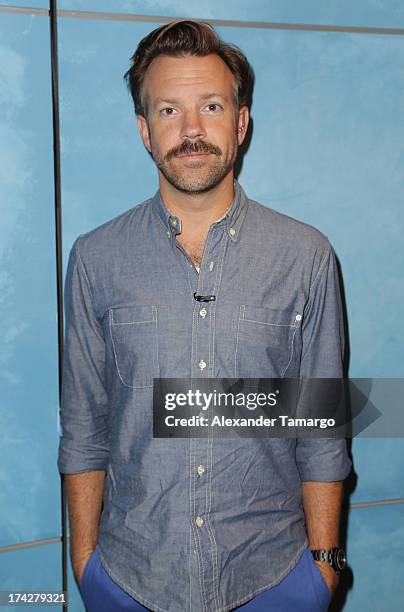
{"type": "Point", "coordinates": [192, 125]}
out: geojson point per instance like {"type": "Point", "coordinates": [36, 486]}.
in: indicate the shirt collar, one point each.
{"type": "Point", "coordinates": [231, 220]}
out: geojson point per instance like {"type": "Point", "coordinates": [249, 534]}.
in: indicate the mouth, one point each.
{"type": "Point", "coordinates": [193, 154]}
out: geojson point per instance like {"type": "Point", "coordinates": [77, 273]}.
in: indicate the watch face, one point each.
{"type": "Point", "coordinates": [340, 559]}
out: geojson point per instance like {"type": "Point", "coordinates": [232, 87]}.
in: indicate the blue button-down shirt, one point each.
{"type": "Point", "coordinates": [196, 524]}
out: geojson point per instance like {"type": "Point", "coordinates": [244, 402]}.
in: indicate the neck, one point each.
{"type": "Point", "coordinates": [198, 210]}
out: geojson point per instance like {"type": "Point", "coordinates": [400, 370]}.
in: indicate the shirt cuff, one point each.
{"type": "Point", "coordinates": [322, 460]}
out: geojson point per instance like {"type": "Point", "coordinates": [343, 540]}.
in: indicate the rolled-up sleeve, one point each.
{"type": "Point", "coordinates": [323, 459]}
{"type": "Point", "coordinates": [84, 443]}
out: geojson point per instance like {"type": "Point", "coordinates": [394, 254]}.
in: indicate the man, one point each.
{"type": "Point", "coordinates": [197, 524]}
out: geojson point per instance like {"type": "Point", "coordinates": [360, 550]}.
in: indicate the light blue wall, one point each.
{"type": "Point", "coordinates": [365, 13]}
{"type": "Point", "coordinates": [29, 481]}
{"type": "Point", "coordinates": [327, 148]}
{"type": "Point", "coordinates": [375, 537]}
{"type": "Point", "coordinates": [32, 3]}
{"type": "Point", "coordinates": [327, 151]}
{"type": "Point", "coordinates": [32, 569]}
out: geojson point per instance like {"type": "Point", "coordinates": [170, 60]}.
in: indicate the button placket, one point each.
{"type": "Point", "coordinates": [201, 366]}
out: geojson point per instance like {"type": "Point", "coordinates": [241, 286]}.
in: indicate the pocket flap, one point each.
{"type": "Point", "coordinates": [131, 313]}
{"type": "Point", "coordinates": [269, 316]}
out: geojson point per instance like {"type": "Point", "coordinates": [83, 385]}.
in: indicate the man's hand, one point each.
{"type": "Point", "coordinates": [330, 576]}
{"type": "Point", "coordinates": [80, 564]}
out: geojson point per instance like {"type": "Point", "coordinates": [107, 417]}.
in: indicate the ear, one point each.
{"type": "Point", "coordinates": [242, 123]}
{"type": "Point", "coordinates": [144, 131]}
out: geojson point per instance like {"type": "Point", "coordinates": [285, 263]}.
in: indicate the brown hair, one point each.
{"type": "Point", "coordinates": [181, 38]}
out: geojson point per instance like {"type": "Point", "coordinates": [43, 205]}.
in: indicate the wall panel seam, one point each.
{"type": "Point", "coordinates": [265, 25]}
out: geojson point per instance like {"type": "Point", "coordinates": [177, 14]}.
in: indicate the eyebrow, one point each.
{"type": "Point", "coordinates": [213, 95]}
{"type": "Point", "coordinates": [175, 101]}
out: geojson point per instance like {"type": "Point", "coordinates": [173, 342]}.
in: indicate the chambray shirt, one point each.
{"type": "Point", "coordinates": [196, 524]}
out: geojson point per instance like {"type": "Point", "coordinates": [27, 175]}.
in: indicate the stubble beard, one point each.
{"type": "Point", "coordinates": [199, 178]}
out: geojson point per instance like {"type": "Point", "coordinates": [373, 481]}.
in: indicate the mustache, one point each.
{"type": "Point", "coordinates": [189, 146]}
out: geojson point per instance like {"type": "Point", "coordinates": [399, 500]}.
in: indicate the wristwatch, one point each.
{"type": "Point", "coordinates": [333, 556]}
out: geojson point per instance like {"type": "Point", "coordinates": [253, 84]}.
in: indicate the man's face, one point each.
{"type": "Point", "coordinates": [193, 127]}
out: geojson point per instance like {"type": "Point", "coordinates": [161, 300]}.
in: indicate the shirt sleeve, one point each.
{"type": "Point", "coordinates": [323, 459]}
{"type": "Point", "coordinates": [84, 443]}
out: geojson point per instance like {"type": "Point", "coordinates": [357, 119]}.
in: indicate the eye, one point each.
{"type": "Point", "coordinates": [213, 107]}
{"type": "Point", "coordinates": [168, 111]}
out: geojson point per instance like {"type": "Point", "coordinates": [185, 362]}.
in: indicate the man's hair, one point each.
{"type": "Point", "coordinates": [182, 38]}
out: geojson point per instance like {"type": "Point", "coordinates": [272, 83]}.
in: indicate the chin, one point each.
{"type": "Point", "coordinates": [196, 186]}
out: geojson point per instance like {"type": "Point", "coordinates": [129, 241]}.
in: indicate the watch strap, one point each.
{"type": "Point", "coordinates": [332, 556]}
{"type": "Point", "coordinates": [323, 555]}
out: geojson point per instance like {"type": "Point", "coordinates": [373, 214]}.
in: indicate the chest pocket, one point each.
{"type": "Point", "coordinates": [266, 339]}
{"type": "Point", "coordinates": [133, 331]}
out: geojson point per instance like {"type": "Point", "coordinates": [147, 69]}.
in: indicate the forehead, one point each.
{"type": "Point", "coordinates": [190, 75]}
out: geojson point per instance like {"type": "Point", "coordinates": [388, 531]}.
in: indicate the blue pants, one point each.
{"type": "Point", "coordinates": [303, 589]}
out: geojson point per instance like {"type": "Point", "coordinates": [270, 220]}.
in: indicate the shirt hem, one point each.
{"type": "Point", "coordinates": [226, 607]}
{"type": "Point", "coordinates": [274, 583]}
{"type": "Point", "coordinates": [128, 590]}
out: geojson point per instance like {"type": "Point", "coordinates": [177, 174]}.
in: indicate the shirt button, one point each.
{"type": "Point", "coordinates": [232, 231]}
{"type": "Point", "coordinates": [203, 312]}
{"type": "Point", "coordinates": [202, 364]}
{"type": "Point", "coordinates": [200, 469]}
{"type": "Point", "coordinates": [173, 222]}
{"type": "Point", "coordinates": [298, 317]}
{"type": "Point", "coordinates": [199, 521]}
